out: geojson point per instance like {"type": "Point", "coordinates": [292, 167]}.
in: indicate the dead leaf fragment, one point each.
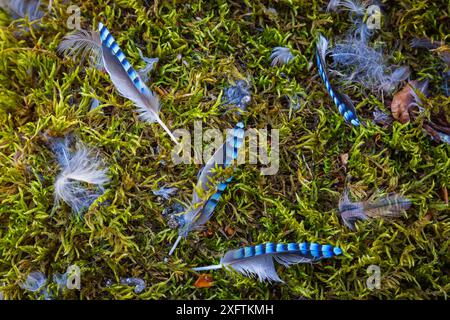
{"type": "Point", "coordinates": [204, 281]}
{"type": "Point", "coordinates": [208, 233]}
{"type": "Point", "coordinates": [401, 102]}
{"type": "Point", "coordinates": [229, 231]}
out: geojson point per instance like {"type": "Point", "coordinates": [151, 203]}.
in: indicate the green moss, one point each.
{"type": "Point", "coordinates": [218, 44]}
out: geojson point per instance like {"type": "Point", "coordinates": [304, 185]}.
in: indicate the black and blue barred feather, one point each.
{"type": "Point", "coordinates": [201, 210]}
{"type": "Point", "coordinates": [342, 101]}
{"type": "Point", "coordinates": [258, 260]}
{"type": "Point", "coordinates": [110, 43]}
{"type": "Point", "coordinates": [127, 81]}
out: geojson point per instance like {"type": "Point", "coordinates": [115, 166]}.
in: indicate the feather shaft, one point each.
{"type": "Point", "coordinates": [175, 245]}
{"type": "Point", "coordinates": [211, 267]}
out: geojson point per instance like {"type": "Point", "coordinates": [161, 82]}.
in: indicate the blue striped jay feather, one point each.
{"type": "Point", "coordinates": [258, 260]}
{"type": "Point", "coordinates": [128, 82]}
{"type": "Point", "coordinates": [105, 52]}
{"type": "Point", "coordinates": [342, 101]}
{"type": "Point", "coordinates": [201, 211]}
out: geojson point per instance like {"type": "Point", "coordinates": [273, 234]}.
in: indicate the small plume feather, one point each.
{"type": "Point", "coordinates": [164, 192]}
{"type": "Point", "coordinates": [138, 283]}
{"type": "Point", "coordinates": [238, 95]}
{"type": "Point", "coordinates": [79, 168]}
{"type": "Point", "coordinates": [359, 62]}
{"type": "Point", "coordinates": [353, 6]}
{"type": "Point", "coordinates": [35, 281]}
{"type": "Point", "coordinates": [333, 5]}
{"type": "Point", "coordinates": [280, 56]}
{"type": "Point", "coordinates": [82, 43]}
{"type": "Point", "coordinates": [149, 66]}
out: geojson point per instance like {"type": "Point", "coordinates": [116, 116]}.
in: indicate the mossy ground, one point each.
{"type": "Point", "coordinates": [218, 42]}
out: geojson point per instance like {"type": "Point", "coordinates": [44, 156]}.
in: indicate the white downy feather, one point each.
{"type": "Point", "coordinates": [82, 177]}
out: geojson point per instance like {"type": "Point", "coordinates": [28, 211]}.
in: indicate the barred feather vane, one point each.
{"type": "Point", "coordinates": [201, 210]}
{"type": "Point", "coordinates": [389, 206]}
{"type": "Point", "coordinates": [342, 101]}
{"type": "Point", "coordinates": [106, 53]}
{"type": "Point", "coordinates": [78, 168]}
{"type": "Point", "coordinates": [128, 82]}
{"type": "Point", "coordinates": [258, 260]}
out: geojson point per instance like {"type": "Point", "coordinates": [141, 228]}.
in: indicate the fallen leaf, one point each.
{"type": "Point", "coordinates": [230, 231]}
{"type": "Point", "coordinates": [428, 216]}
{"type": "Point", "coordinates": [208, 233]}
{"type": "Point", "coordinates": [204, 281]}
{"type": "Point", "coordinates": [401, 102]}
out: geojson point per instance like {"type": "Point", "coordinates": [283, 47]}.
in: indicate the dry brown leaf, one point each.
{"type": "Point", "coordinates": [428, 216]}
{"type": "Point", "coordinates": [229, 231]}
{"type": "Point", "coordinates": [204, 281]}
{"type": "Point", "coordinates": [401, 102]}
{"type": "Point", "coordinates": [208, 233]}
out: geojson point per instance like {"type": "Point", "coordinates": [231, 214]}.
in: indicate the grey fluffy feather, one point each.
{"type": "Point", "coordinates": [388, 206]}
{"type": "Point", "coordinates": [82, 176]}
{"type": "Point", "coordinates": [359, 62]}
{"type": "Point", "coordinates": [281, 56]}
{"type": "Point", "coordinates": [82, 44]}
